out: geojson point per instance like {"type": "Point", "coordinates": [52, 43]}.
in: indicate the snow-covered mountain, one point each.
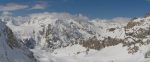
{"type": "Point", "coordinates": [12, 50]}
{"type": "Point", "coordinates": [57, 30]}
{"type": "Point", "coordinates": [62, 37]}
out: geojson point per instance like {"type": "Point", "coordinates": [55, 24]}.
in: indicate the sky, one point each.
{"type": "Point", "coordinates": [91, 8]}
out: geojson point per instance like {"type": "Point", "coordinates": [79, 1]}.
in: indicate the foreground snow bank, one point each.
{"type": "Point", "coordinates": [77, 53]}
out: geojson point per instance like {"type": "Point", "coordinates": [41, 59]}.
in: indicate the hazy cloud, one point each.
{"type": "Point", "coordinates": [79, 17]}
{"type": "Point", "coordinates": [121, 20]}
{"type": "Point", "coordinates": [12, 7]}
{"type": "Point", "coordinates": [39, 6]}
{"type": "Point", "coordinates": [6, 13]}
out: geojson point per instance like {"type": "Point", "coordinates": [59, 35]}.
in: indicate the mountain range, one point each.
{"type": "Point", "coordinates": [62, 37]}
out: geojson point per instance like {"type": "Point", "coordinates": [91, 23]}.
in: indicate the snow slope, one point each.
{"type": "Point", "coordinates": [12, 50]}
{"type": "Point", "coordinates": [110, 54]}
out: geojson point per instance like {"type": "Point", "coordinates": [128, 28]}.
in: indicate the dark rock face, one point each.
{"type": "Point", "coordinates": [11, 41]}
{"type": "Point", "coordinates": [9, 46]}
{"type": "Point", "coordinates": [92, 43]}
{"type": "Point", "coordinates": [112, 29]}
{"type": "Point", "coordinates": [147, 54]}
{"type": "Point", "coordinates": [132, 24]}
{"type": "Point", "coordinates": [30, 43]}
{"type": "Point", "coordinates": [146, 15]}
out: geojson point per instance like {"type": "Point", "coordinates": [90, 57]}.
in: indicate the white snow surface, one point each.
{"type": "Point", "coordinates": [110, 54]}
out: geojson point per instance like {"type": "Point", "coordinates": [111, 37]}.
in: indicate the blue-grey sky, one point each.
{"type": "Point", "coordinates": [90, 8]}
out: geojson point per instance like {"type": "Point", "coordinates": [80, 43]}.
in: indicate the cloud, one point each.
{"type": "Point", "coordinates": [39, 6]}
{"type": "Point", "coordinates": [121, 20]}
{"type": "Point", "coordinates": [60, 16]}
{"type": "Point", "coordinates": [79, 17]}
{"type": "Point", "coordinates": [6, 13]}
{"type": "Point", "coordinates": [118, 20]}
{"type": "Point", "coordinates": [12, 7]}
